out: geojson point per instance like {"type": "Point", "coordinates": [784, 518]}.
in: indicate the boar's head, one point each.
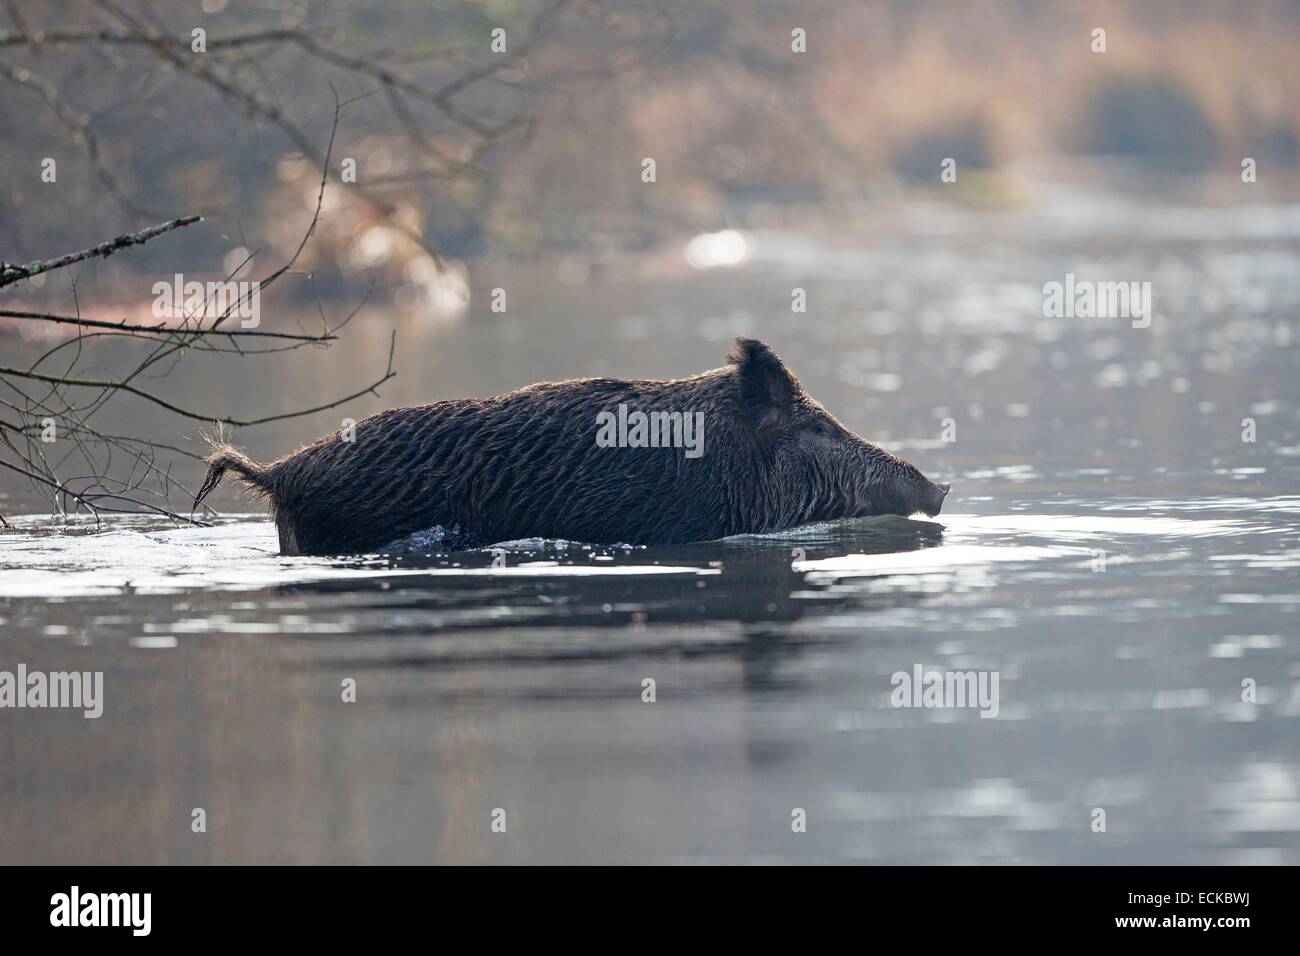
{"type": "Point", "coordinates": [815, 469]}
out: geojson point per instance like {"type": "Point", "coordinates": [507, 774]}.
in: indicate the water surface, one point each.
{"type": "Point", "coordinates": [1112, 549]}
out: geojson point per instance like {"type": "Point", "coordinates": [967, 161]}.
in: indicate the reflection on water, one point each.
{"type": "Point", "coordinates": [519, 686]}
{"type": "Point", "coordinates": [1114, 551]}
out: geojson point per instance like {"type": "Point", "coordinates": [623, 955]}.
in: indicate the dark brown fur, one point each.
{"type": "Point", "coordinates": [527, 464]}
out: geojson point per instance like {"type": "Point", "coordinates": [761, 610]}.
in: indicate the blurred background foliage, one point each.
{"type": "Point", "coordinates": [540, 149]}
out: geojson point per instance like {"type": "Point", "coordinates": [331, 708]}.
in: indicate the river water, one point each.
{"type": "Point", "coordinates": [1115, 550]}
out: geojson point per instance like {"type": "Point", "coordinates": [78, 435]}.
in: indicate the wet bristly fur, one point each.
{"type": "Point", "coordinates": [527, 464]}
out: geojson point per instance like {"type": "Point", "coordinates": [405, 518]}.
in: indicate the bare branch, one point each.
{"type": "Point", "coordinates": [10, 274]}
{"type": "Point", "coordinates": [122, 386]}
{"type": "Point", "coordinates": [123, 326]}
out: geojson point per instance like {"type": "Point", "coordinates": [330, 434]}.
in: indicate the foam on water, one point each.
{"type": "Point", "coordinates": [132, 554]}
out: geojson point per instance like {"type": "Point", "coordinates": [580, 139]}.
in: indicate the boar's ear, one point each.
{"type": "Point", "coordinates": [767, 389]}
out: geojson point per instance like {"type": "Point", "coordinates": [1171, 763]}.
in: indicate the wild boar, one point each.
{"type": "Point", "coordinates": [738, 449]}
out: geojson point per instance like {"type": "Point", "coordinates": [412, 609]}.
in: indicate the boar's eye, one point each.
{"type": "Point", "coordinates": [819, 428]}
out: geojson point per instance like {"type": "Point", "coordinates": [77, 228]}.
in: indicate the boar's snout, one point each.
{"type": "Point", "coordinates": [934, 498]}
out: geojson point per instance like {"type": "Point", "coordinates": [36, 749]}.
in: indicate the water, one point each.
{"type": "Point", "coordinates": [1112, 549]}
